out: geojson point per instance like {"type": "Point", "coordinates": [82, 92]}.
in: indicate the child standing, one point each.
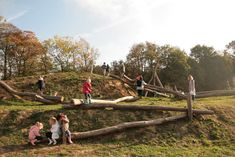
{"type": "Point", "coordinates": [53, 135]}
{"type": "Point", "coordinates": [87, 91]}
{"type": "Point", "coordinates": [192, 90]}
{"type": "Point", "coordinates": [140, 86]}
{"type": "Point", "coordinates": [34, 133]}
{"type": "Point", "coordinates": [41, 84]}
{"type": "Point", "coordinates": [64, 123]}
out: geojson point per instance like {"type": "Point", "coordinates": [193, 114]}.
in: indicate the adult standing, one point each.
{"type": "Point", "coordinates": [104, 68]}
{"type": "Point", "coordinates": [192, 90]}
{"type": "Point", "coordinates": [107, 70]}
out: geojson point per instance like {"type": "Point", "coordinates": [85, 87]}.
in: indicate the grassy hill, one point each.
{"type": "Point", "coordinates": [212, 135]}
{"type": "Point", "coordinates": [70, 85]}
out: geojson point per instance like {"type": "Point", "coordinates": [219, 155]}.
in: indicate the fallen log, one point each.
{"type": "Point", "coordinates": [124, 126]}
{"type": "Point", "coordinates": [157, 93]}
{"type": "Point", "coordinates": [165, 90]}
{"type": "Point", "coordinates": [97, 101]}
{"type": "Point", "coordinates": [136, 108]}
{"type": "Point", "coordinates": [34, 96]}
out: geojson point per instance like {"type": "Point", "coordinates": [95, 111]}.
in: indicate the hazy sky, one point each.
{"type": "Point", "coordinates": [113, 26]}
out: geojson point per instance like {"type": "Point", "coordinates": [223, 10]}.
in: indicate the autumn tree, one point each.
{"type": "Point", "coordinates": [68, 54]}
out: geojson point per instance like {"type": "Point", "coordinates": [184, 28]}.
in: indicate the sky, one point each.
{"type": "Point", "coordinates": [113, 26]}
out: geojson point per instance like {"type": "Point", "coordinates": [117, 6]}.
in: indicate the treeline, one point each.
{"type": "Point", "coordinates": [170, 66]}
{"type": "Point", "coordinates": [22, 54]}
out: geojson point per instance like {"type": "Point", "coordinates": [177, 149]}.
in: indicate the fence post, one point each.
{"type": "Point", "coordinates": [189, 104]}
{"type": "Point", "coordinates": [64, 138]}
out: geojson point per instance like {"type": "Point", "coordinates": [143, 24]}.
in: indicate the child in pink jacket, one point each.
{"type": "Point", "coordinates": [34, 133]}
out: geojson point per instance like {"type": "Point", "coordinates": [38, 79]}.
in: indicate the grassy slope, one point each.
{"type": "Point", "coordinates": [205, 136]}
{"type": "Point", "coordinates": [70, 85]}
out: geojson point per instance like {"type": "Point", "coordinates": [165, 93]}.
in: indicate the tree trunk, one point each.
{"type": "Point", "coordinates": [136, 108]}
{"type": "Point", "coordinates": [124, 126]}
{"type": "Point", "coordinates": [34, 96]}
{"type": "Point", "coordinates": [96, 101]}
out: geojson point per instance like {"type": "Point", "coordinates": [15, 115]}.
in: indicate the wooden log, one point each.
{"type": "Point", "coordinates": [124, 126]}
{"type": "Point", "coordinates": [97, 101]}
{"type": "Point", "coordinates": [165, 90]}
{"type": "Point", "coordinates": [34, 96]}
{"type": "Point", "coordinates": [156, 92]}
{"type": "Point", "coordinates": [53, 98]}
{"type": "Point", "coordinates": [136, 108]}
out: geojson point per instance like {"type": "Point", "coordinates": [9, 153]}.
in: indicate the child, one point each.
{"type": "Point", "coordinates": [64, 123]}
{"type": "Point", "coordinates": [140, 86]}
{"type": "Point", "coordinates": [34, 134]}
{"type": "Point", "coordinates": [192, 90]}
{"type": "Point", "coordinates": [41, 84]}
{"type": "Point", "coordinates": [87, 91]}
{"type": "Point", "coordinates": [54, 131]}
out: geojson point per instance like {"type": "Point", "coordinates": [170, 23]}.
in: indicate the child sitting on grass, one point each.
{"type": "Point", "coordinates": [87, 91]}
{"type": "Point", "coordinates": [34, 133]}
{"type": "Point", "coordinates": [64, 124]}
{"type": "Point", "coordinates": [53, 135]}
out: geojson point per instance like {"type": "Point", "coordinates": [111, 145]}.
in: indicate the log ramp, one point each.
{"type": "Point", "coordinates": [125, 126]}
{"type": "Point", "coordinates": [31, 96]}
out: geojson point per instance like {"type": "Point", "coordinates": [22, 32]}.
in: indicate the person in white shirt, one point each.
{"type": "Point", "coordinates": [54, 133]}
{"type": "Point", "coordinates": [192, 90]}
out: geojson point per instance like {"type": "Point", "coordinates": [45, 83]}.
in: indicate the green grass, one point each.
{"type": "Point", "coordinates": [26, 105]}
{"type": "Point", "coordinates": [69, 85]}
{"type": "Point", "coordinates": [209, 136]}
{"type": "Point", "coordinates": [205, 136]}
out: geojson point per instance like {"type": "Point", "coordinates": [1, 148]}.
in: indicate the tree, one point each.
{"type": "Point", "coordinates": [211, 69]}
{"type": "Point", "coordinates": [20, 54]}
{"type": "Point", "coordinates": [70, 55]}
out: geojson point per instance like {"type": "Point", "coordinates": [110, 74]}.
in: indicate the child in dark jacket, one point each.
{"type": "Point", "coordinates": [87, 91]}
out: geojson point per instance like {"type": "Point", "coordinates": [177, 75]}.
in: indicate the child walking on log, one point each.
{"type": "Point", "coordinates": [64, 124]}
{"type": "Point", "coordinates": [34, 133]}
{"type": "Point", "coordinates": [87, 91]}
{"type": "Point", "coordinates": [53, 135]}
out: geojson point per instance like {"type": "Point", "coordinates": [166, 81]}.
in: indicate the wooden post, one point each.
{"type": "Point", "coordinates": [189, 104]}
{"type": "Point", "coordinates": [64, 137]}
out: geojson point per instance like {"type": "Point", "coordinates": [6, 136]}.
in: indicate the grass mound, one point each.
{"type": "Point", "coordinates": [204, 136]}
{"type": "Point", "coordinates": [69, 85]}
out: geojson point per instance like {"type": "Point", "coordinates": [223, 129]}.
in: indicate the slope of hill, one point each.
{"type": "Point", "coordinates": [212, 135]}
{"type": "Point", "coordinates": [69, 85]}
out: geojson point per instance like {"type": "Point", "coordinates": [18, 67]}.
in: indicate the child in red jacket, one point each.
{"type": "Point", "coordinates": [87, 91]}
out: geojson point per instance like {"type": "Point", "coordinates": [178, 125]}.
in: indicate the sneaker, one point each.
{"type": "Point", "coordinates": [54, 143]}
{"type": "Point", "coordinates": [50, 142]}
{"type": "Point", "coordinates": [32, 142]}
